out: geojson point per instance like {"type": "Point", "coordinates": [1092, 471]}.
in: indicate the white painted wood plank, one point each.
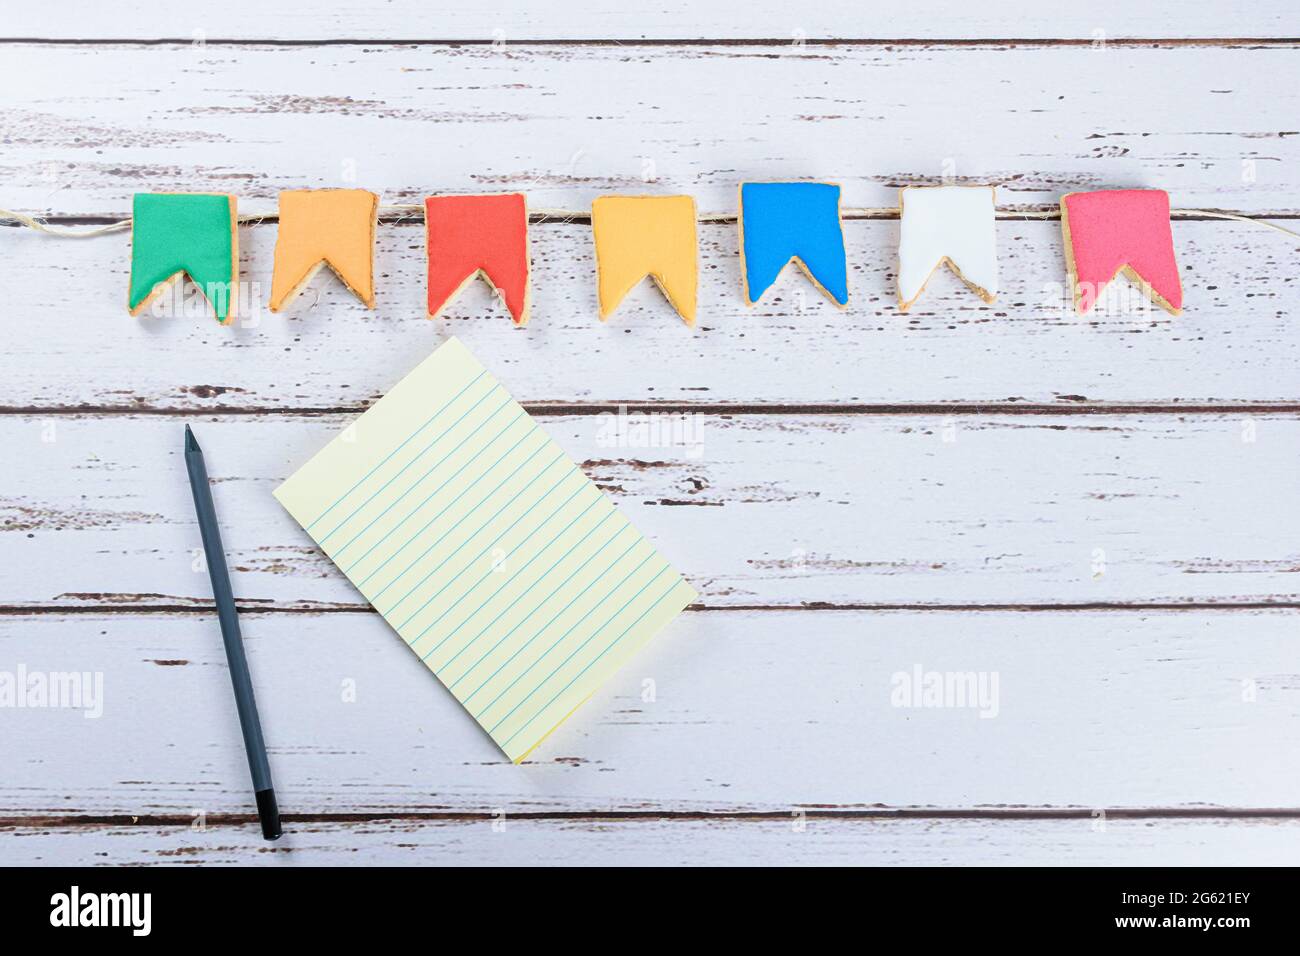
{"type": "Point", "coordinates": [750, 711]}
{"type": "Point", "coordinates": [673, 843]}
{"type": "Point", "coordinates": [673, 19]}
{"type": "Point", "coordinates": [75, 345]}
{"type": "Point", "coordinates": [755, 510]}
{"type": "Point", "coordinates": [90, 125]}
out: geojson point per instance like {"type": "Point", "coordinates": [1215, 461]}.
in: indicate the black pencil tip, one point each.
{"type": "Point", "coordinates": [268, 813]}
{"type": "Point", "coordinates": [191, 444]}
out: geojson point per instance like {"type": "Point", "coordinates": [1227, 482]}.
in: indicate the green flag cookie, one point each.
{"type": "Point", "coordinates": [190, 233]}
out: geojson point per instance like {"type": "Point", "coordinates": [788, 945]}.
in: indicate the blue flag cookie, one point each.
{"type": "Point", "coordinates": [780, 222]}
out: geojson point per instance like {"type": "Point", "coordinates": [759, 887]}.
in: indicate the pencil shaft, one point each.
{"type": "Point", "coordinates": [229, 618]}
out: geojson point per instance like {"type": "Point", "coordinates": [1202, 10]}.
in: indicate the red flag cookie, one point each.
{"type": "Point", "coordinates": [471, 236]}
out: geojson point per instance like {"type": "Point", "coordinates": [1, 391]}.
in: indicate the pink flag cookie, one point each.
{"type": "Point", "coordinates": [1118, 230]}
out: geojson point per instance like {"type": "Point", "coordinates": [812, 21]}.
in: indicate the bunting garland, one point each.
{"type": "Point", "coordinates": [320, 227]}
{"type": "Point", "coordinates": [195, 235]}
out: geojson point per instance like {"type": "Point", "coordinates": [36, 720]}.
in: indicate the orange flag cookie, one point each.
{"type": "Point", "coordinates": [640, 236]}
{"type": "Point", "coordinates": [318, 227]}
{"type": "Point", "coordinates": [472, 236]}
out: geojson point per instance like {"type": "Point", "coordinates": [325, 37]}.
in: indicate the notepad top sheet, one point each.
{"type": "Point", "coordinates": [492, 555]}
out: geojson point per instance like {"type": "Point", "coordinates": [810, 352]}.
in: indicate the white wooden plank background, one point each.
{"type": "Point", "coordinates": [751, 711]}
{"type": "Point", "coordinates": [767, 510]}
{"type": "Point", "coordinates": [1100, 512]}
{"type": "Point", "coordinates": [1039, 120]}
{"type": "Point", "coordinates": [597, 841]}
{"type": "Point", "coordinates": [671, 19]}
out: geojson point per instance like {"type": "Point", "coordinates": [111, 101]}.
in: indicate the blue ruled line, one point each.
{"type": "Point", "coordinates": [491, 570]}
{"type": "Point", "coordinates": [437, 541]}
{"type": "Point", "coordinates": [398, 525]}
{"type": "Point", "coordinates": [608, 594]}
{"type": "Point", "coordinates": [654, 604]}
{"type": "Point", "coordinates": [427, 423]}
{"type": "Point", "coordinates": [474, 534]}
{"type": "Point", "coordinates": [541, 577]}
{"type": "Point", "coordinates": [540, 551]}
{"type": "Point", "coordinates": [446, 431]}
{"type": "Point", "coordinates": [556, 616]}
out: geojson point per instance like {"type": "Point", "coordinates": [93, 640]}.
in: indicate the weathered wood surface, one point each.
{"type": "Point", "coordinates": [1059, 485]}
{"type": "Point", "coordinates": [777, 510]}
{"type": "Point", "coordinates": [75, 346]}
{"type": "Point", "coordinates": [667, 19]}
{"type": "Point", "coordinates": [767, 711]}
{"type": "Point", "coordinates": [671, 842]}
{"type": "Point", "coordinates": [90, 125]}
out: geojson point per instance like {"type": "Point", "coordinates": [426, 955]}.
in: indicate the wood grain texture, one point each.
{"type": "Point", "coordinates": [1213, 126]}
{"type": "Point", "coordinates": [768, 711]}
{"type": "Point", "coordinates": [669, 843]}
{"type": "Point", "coordinates": [761, 510]}
{"type": "Point", "coordinates": [78, 348]}
{"type": "Point", "coordinates": [1099, 512]}
{"type": "Point", "coordinates": [670, 19]}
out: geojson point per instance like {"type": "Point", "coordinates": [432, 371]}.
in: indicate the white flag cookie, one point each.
{"type": "Point", "coordinates": [952, 224]}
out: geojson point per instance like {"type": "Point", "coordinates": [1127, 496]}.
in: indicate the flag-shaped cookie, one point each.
{"type": "Point", "coordinates": [472, 236]}
{"type": "Point", "coordinates": [792, 222]}
{"type": "Point", "coordinates": [325, 227]}
{"type": "Point", "coordinates": [1120, 230]}
{"type": "Point", "coordinates": [946, 224]}
{"type": "Point", "coordinates": [193, 234]}
{"type": "Point", "coordinates": [640, 236]}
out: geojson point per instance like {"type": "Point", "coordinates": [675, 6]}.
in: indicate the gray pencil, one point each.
{"type": "Point", "coordinates": [267, 811]}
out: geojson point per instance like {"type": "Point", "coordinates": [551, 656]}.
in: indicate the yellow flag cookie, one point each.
{"type": "Point", "coordinates": [334, 227]}
{"type": "Point", "coordinates": [639, 236]}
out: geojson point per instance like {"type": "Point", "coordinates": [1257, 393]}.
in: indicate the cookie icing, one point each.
{"type": "Point", "coordinates": [952, 224]}
{"type": "Point", "coordinates": [193, 234]}
{"type": "Point", "coordinates": [471, 236]}
{"type": "Point", "coordinates": [1120, 230]}
{"type": "Point", "coordinates": [640, 236]}
{"type": "Point", "coordinates": [319, 227]}
{"type": "Point", "coordinates": [792, 222]}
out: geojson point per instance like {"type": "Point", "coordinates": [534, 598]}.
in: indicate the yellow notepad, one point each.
{"type": "Point", "coordinates": [492, 555]}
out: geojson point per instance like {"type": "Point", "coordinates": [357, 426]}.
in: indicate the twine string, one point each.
{"type": "Point", "coordinates": [410, 210]}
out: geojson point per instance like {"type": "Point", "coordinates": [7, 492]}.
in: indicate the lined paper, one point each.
{"type": "Point", "coordinates": [511, 575]}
